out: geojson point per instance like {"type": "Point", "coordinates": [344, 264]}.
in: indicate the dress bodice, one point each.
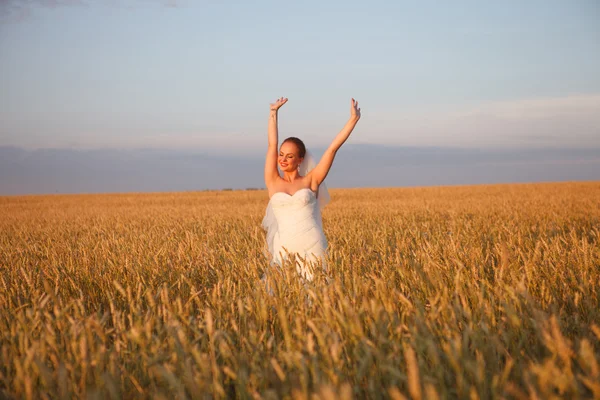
{"type": "Point", "coordinates": [296, 213]}
{"type": "Point", "coordinates": [293, 224]}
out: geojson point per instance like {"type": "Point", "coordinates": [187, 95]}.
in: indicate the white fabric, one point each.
{"type": "Point", "coordinates": [293, 224]}
{"type": "Point", "coordinates": [307, 165]}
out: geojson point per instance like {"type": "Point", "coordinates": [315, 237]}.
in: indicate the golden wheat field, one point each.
{"type": "Point", "coordinates": [473, 292]}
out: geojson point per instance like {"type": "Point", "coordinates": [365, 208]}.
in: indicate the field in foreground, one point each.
{"type": "Point", "coordinates": [455, 292]}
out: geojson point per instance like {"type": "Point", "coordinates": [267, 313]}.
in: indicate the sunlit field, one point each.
{"type": "Point", "coordinates": [453, 292]}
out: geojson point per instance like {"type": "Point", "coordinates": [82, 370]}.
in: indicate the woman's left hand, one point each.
{"type": "Point", "coordinates": [280, 102]}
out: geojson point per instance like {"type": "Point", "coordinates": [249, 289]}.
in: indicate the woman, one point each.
{"type": "Point", "coordinates": [293, 217]}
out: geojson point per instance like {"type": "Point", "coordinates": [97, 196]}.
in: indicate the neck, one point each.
{"type": "Point", "coordinates": [290, 176]}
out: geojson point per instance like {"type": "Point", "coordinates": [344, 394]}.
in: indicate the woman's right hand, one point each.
{"type": "Point", "coordinates": [277, 105]}
{"type": "Point", "coordinates": [354, 110]}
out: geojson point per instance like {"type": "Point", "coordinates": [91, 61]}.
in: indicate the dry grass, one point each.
{"type": "Point", "coordinates": [457, 292]}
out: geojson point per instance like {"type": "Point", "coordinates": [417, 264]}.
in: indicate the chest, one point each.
{"type": "Point", "coordinates": [289, 187]}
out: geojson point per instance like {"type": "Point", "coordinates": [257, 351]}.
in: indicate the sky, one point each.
{"type": "Point", "coordinates": [199, 75]}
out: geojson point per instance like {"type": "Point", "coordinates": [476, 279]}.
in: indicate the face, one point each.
{"type": "Point", "coordinates": [289, 160]}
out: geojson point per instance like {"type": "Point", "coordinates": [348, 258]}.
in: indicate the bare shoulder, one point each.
{"type": "Point", "coordinates": [275, 185]}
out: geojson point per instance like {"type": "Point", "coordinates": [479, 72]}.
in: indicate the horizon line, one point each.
{"type": "Point", "coordinates": [261, 189]}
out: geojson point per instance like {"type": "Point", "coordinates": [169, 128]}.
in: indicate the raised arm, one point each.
{"type": "Point", "coordinates": [271, 159]}
{"type": "Point", "coordinates": [322, 169]}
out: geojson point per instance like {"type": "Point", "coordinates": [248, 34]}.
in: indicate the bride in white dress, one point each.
{"type": "Point", "coordinates": [293, 217]}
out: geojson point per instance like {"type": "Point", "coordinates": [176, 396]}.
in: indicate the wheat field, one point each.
{"type": "Point", "coordinates": [470, 292]}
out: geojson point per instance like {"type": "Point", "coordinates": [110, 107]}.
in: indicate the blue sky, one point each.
{"type": "Point", "coordinates": [200, 75]}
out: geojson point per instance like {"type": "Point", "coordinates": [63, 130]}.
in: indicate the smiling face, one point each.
{"type": "Point", "coordinates": [289, 158]}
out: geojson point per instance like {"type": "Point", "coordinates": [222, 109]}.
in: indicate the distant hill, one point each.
{"type": "Point", "coordinates": [357, 165]}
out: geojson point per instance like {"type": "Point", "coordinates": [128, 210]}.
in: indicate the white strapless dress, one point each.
{"type": "Point", "coordinates": [294, 226]}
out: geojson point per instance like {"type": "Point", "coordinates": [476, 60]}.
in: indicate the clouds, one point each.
{"type": "Point", "coordinates": [567, 121]}
{"type": "Point", "coordinates": [135, 170]}
{"type": "Point", "coordinates": [18, 10]}
{"type": "Point", "coordinates": [557, 122]}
